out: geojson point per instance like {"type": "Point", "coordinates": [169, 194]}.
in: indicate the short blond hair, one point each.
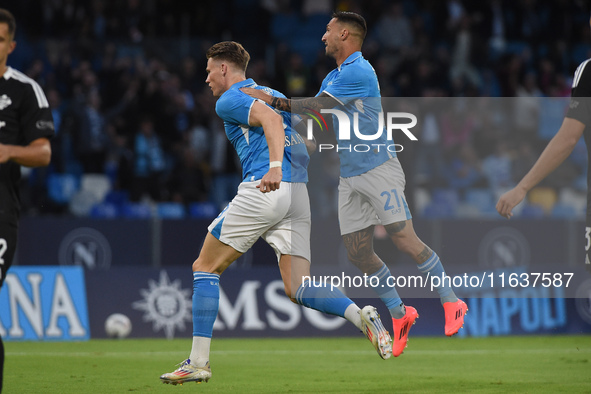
{"type": "Point", "coordinates": [230, 51]}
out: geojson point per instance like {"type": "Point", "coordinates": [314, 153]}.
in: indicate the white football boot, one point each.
{"type": "Point", "coordinates": [187, 373]}
{"type": "Point", "coordinates": [376, 333]}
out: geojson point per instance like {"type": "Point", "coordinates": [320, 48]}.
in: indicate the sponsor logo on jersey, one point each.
{"type": "Point", "coordinates": [5, 101]}
{"type": "Point", "coordinates": [44, 124]}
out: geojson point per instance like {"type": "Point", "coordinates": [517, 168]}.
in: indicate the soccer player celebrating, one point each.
{"type": "Point", "coordinates": [272, 203]}
{"type": "Point", "coordinates": [368, 178]}
{"type": "Point", "coordinates": [26, 125]}
{"type": "Point", "coordinates": [559, 148]}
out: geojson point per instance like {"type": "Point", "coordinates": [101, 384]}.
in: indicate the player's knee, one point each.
{"type": "Point", "coordinates": [403, 243]}
{"type": "Point", "coordinates": [203, 265]}
{"type": "Point", "coordinates": [408, 244]}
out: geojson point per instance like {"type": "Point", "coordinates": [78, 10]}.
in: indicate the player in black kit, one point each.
{"type": "Point", "coordinates": [26, 125]}
{"type": "Point", "coordinates": [559, 148]}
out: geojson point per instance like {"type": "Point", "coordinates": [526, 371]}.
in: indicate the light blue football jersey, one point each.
{"type": "Point", "coordinates": [234, 108]}
{"type": "Point", "coordinates": [355, 85]}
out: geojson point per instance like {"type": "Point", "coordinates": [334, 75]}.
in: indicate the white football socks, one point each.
{"type": "Point", "coordinates": [200, 351]}
{"type": "Point", "coordinates": [352, 314]}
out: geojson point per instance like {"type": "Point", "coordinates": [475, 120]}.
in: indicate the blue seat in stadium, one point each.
{"type": "Point", "coordinates": [532, 212]}
{"type": "Point", "coordinates": [564, 211]}
{"type": "Point", "coordinates": [307, 47]}
{"type": "Point", "coordinates": [283, 25]}
{"type": "Point", "coordinates": [104, 210]}
{"type": "Point", "coordinates": [170, 210]}
{"type": "Point", "coordinates": [439, 210]}
{"type": "Point", "coordinates": [132, 210]}
{"type": "Point", "coordinates": [314, 26]}
{"type": "Point", "coordinates": [203, 210]}
{"type": "Point", "coordinates": [446, 196]}
{"type": "Point", "coordinates": [480, 198]}
{"type": "Point", "coordinates": [62, 187]}
{"type": "Point", "coordinates": [117, 197]}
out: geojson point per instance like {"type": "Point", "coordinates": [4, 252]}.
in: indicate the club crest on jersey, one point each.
{"type": "Point", "coordinates": [2, 124]}
{"type": "Point", "coordinates": [5, 101]}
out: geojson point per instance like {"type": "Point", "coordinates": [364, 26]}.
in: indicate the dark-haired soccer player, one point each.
{"type": "Point", "coordinates": [272, 203]}
{"type": "Point", "coordinates": [371, 187]}
{"type": "Point", "coordinates": [559, 148]}
{"type": "Point", "coordinates": [26, 125]}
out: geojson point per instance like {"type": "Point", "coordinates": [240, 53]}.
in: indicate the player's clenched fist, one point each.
{"type": "Point", "coordinates": [271, 180]}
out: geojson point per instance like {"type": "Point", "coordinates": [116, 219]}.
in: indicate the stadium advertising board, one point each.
{"type": "Point", "coordinates": [490, 264]}
{"type": "Point", "coordinates": [252, 304]}
{"type": "Point", "coordinates": [44, 303]}
{"type": "Point", "coordinates": [158, 302]}
{"type": "Point", "coordinates": [91, 244]}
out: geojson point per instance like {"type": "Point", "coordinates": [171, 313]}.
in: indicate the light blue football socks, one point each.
{"type": "Point", "coordinates": [387, 292]}
{"type": "Point", "coordinates": [433, 267]}
{"type": "Point", "coordinates": [206, 302]}
{"type": "Point", "coordinates": [320, 297]}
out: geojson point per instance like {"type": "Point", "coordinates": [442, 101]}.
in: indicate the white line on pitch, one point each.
{"type": "Point", "coordinates": [308, 352]}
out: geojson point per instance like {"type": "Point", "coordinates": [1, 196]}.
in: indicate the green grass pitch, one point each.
{"type": "Point", "coordinates": [537, 364]}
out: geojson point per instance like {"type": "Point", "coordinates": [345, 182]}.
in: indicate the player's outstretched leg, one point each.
{"type": "Point", "coordinates": [187, 372]}
{"type": "Point", "coordinates": [206, 295]}
{"type": "Point", "coordinates": [403, 317]}
{"type": "Point", "coordinates": [455, 309]}
{"type": "Point", "coordinates": [454, 316]}
{"type": "Point", "coordinates": [375, 331]}
{"type": "Point", "coordinates": [402, 327]}
{"type": "Point", "coordinates": [320, 297]}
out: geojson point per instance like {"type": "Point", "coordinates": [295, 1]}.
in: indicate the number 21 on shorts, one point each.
{"type": "Point", "coordinates": [388, 206]}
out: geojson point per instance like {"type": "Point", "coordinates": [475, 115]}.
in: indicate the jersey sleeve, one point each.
{"type": "Point", "coordinates": [347, 85]}
{"type": "Point", "coordinates": [580, 102]}
{"type": "Point", "coordinates": [234, 107]}
{"type": "Point", "coordinates": [35, 116]}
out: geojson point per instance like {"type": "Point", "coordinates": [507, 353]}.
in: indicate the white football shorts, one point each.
{"type": "Point", "coordinates": [375, 197]}
{"type": "Point", "coordinates": [280, 217]}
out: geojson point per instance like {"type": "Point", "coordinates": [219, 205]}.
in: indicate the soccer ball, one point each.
{"type": "Point", "coordinates": [117, 326]}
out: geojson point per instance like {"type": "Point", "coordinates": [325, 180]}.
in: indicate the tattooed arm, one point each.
{"type": "Point", "coordinates": [296, 106]}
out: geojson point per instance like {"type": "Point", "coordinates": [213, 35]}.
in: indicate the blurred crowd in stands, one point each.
{"type": "Point", "coordinates": [137, 132]}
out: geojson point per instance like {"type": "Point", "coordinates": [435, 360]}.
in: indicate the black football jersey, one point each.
{"type": "Point", "coordinates": [24, 117]}
{"type": "Point", "coordinates": [580, 109]}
